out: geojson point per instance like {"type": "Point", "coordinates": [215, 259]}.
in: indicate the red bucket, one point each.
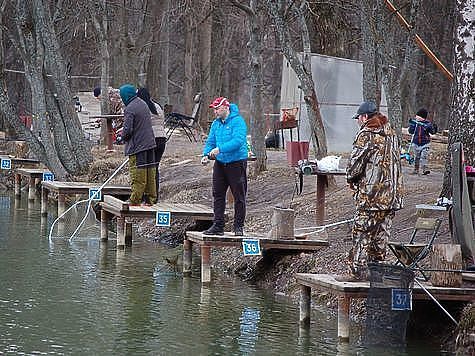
{"type": "Point", "coordinates": [296, 151]}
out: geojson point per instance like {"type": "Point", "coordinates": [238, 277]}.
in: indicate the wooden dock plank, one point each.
{"type": "Point", "coordinates": [360, 289]}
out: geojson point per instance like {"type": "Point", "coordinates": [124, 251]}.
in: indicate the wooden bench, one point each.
{"type": "Point", "coordinates": [348, 290]}
{"type": "Point", "coordinates": [206, 242]}
{"type": "Point", "coordinates": [112, 206]}
{"type": "Point", "coordinates": [33, 175]}
{"type": "Point", "coordinates": [67, 188]}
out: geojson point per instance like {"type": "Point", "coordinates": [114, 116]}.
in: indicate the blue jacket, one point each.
{"type": "Point", "coordinates": [421, 131]}
{"type": "Point", "coordinates": [229, 136]}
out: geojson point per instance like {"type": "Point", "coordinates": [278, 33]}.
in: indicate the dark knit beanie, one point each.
{"type": "Point", "coordinates": [97, 91]}
{"type": "Point", "coordinates": [422, 113]}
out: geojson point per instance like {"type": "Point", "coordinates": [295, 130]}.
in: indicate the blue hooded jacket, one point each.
{"type": "Point", "coordinates": [229, 136]}
{"type": "Point", "coordinates": [127, 93]}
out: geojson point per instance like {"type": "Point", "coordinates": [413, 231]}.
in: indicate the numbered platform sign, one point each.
{"type": "Point", "coordinates": [95, 194]}
{"type": "Point", "coordinates": [401, 299]}
{"type": "Point", "coordinates": [6, 163]}
{"type": "Point", "coordinates": [48, 177]}
{"type": "Point", "coordinates": [163, 218]}
{"type": "Point", "coordinates": [251, 247]}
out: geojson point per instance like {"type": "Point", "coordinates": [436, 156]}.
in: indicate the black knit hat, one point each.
{"type": "Point", "coordinates": [97, 91]}
{"type": "Point", "coordinates": [422, 113]}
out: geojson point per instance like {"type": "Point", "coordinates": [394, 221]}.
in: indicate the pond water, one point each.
{"type": "Point", "coordinates": [87, 298]}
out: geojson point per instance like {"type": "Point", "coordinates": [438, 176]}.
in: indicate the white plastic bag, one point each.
{"type": "Point", "coordinates": [329, 163]}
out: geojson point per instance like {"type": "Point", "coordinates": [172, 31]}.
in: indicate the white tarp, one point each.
{"type": "Point", "coordinates": [338, 83]}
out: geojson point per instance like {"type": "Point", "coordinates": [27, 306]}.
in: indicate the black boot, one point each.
{"type": "Point", "coordinates": [215, 229]}
{"type": "Point", "coordinates": [238, 231]}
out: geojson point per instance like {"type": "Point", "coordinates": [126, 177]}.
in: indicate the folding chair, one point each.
{"type": "Point", "coordinates": [174, 120]}
{"type": "Point", "coordinates": [412, 253]}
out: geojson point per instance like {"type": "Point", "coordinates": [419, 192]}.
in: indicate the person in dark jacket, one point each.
{"type": "Point", "coordinates": [421, 129]}
{"type": "Point", "coordinates": [139, 146]}
{"type": "Point", "coordinates": [227, 144]}
{"type": "Point", "coordinates": [158, 126]}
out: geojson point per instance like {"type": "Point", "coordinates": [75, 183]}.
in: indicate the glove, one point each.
{"type": "Point", "coordinates": [119, 140]}
{"type": "Point", "coordinates": [214, 152]}
{"type": "Point", "coordinates": [204, 160]}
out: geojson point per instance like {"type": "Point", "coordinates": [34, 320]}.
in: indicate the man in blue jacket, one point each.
{"type": "Point", "coordinates": [421, 129]}
{"type": "Point", "coordinates": [227, 145]}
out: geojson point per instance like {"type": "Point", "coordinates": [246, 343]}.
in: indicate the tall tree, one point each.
{"type": "Point", "coordinates": [462, 117]}
{"type": "Point", "coordinates": [282, 13]}
{"type": "Point", "coordinates": [257, 128]}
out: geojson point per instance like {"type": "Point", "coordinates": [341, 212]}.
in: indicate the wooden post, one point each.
{"type": "Point", "coordinates": [61, 203]}
{"type": "Point", "coordinates": [104, 221]}
{"type": "Point", "coordinates": [31, 189]}
{"type": "Point", "coordinates": [44, 201]}
{"type": "Point", "coordinates": [120, 232]}
{"type": "Point", "coordinates": [305, 293]}
{"type": "Point", "coordinates": [282, 223]}
{"type": "Point", "coordinates": [344, 318]}
{"type": "Point", "coordinates": [205, 265]}
{"type": "Point", "coordinates": [187, 257]}
{"type": "Point", "coordinates": [109, 134]}
{"type": "Point", "coordinates": [17, 185]}
{"type": "Point", "coordinates": [128, 234]}
{"type": "Point", "coordinates": [446, 256]}
{"type": "Point", "coordinates": [320, 208]}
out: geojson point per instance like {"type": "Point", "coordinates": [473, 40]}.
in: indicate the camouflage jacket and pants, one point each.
{"type": "Point", "coordinates": [374, 175]}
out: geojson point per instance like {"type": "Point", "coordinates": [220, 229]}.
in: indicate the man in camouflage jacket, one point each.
{"type": "Point", "coordinates": [374, 175]}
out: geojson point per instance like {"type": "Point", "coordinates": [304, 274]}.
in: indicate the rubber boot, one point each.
{"type": "Point", "coordinates": [416, 168]}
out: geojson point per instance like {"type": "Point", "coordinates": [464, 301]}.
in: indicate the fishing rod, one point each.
{"type": "Point", "coordinates": [419, 41]}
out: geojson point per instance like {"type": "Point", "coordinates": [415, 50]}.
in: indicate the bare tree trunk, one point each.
{"type": "Point", "coordinates": [205, 60]}
{"type": "Point", "coordinates": [278, 13]}
{"type": "Point", "coordinates": [257, 128]}
{"type": "Point", "coordinates": [371, 79]}
{"type": "Point", "coordinates": [188, 78]}
{"type": "Point", "coordinates": [462, 118]}
{"type": "Point", "coordinates": [163, 96]}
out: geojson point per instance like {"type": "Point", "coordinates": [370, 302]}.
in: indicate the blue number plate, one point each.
{"type": "Point", "coordinates": [163, 218]}
{"type": "Point", "coordinates": [401, 299]}
{"type": "Point", "coordinates": [6, 163]}
{"type": "Point", "coordinates": [251, 247]}
{"type": "Point", "coordinates": [48, 176]}
{"type": "Point", "coordinates": [95, 194]}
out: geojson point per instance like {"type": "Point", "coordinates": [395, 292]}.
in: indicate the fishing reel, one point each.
{"type": "Point", "coordinates": [307, 168]}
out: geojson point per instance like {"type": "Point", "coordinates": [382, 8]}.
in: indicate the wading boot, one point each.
{"type": "Point", "coordinates": [425, 171]}
{"type": "Point", "coordinates": [215, 229]}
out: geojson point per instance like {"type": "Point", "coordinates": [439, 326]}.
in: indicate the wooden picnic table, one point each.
{"type": "Point", "coordinates": [322, 183]}
{"type": "Point", "coordinates": [66, 188]}
{"type": "Point", "coordinates": [109, 130]}
{"type": "Point", "coordinates": [348, 290]}
{"type": "Point", "coordinates": [112, 206]}
{"type": "Point", "coordinates": [206, 242]}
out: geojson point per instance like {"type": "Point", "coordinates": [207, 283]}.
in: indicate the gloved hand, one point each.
{"type": "Point", "coordinates": [119, 140]}
{"type": "Point", "coordinates": [214, 152]}
{"type": "Point", "coordinates": [204, 160]}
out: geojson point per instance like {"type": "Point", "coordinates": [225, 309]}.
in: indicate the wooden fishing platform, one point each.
{"type": "Point", "coordinates": [21, 162]}
{"type": "Point", "coordinates": [206, 242]}
{"type": "Point", "coordinates": [33, 174]}
{"type": "Point", "coordinates": [67, 188]}
{"type": "Point", "coordinates": [112, 206]}
{"type": "Point", "coordinates": [348, 290]}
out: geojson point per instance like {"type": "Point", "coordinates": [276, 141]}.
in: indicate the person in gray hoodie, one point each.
{"type": "Point", "coordinates": [139, 146]}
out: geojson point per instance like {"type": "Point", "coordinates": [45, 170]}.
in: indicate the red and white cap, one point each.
{"type": "Point", "coordinates": [220, 101]}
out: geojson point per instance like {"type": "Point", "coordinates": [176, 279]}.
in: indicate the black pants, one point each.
{"type": "Point", "coordinates": [234, 176]}
{"type": "Point", "coordinates": [160, 142]}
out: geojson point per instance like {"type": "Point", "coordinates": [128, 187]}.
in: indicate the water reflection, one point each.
{"type": "Point", "coordinates": [88, 297]}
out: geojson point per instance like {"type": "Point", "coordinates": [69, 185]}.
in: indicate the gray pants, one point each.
{"type": "Point", "coordinates": [421, 155]}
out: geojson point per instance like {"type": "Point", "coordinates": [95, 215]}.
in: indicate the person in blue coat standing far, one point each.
{"type": "Point", "coordinates": [227, 145]}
